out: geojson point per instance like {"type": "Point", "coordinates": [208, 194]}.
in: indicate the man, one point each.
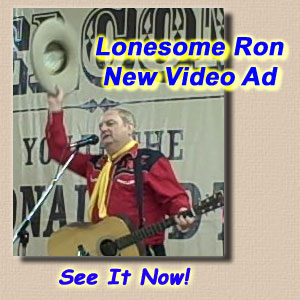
{"type": "Point", "coordinates": [111, 178]}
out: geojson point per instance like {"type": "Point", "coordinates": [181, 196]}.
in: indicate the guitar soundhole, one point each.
{"type": "Point", "coordinates": [108, 248]}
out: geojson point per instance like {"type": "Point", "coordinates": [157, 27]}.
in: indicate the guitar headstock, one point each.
{"type": "Point", "coordinates": [210, 203]}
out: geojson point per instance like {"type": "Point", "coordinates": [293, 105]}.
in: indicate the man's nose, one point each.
{"type": "Point", "coordinates": [102, 128]}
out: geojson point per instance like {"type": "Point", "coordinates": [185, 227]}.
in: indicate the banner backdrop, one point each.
{"type": "Point", "coordinates": [186, 125]}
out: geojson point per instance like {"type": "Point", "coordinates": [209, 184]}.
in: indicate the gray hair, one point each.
{"type": "Point", "coordinates": [125, 115]}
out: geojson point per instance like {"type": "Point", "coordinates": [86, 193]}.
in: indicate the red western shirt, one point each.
{"type": "Point", "coordinates": [163, 194]}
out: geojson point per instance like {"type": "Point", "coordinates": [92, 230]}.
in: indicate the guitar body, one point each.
{"type": "Point", "coordinates": [92, 237]}
{"type": "Point", "coordinates": [115, 236]}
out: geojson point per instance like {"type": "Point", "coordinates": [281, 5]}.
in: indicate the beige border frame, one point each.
{"type": "Point", "coordinates": [265, 170]}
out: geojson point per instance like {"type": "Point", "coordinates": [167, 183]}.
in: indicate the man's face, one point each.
{"type": "Point", "coordinates": [113, 130]}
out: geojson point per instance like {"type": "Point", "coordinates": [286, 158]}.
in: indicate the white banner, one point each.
{"type": "Point", "coordinates": [187, 126]}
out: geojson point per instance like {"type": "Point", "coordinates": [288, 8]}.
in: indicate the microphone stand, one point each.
{"type": "Point", "coordinates": [21, 231]}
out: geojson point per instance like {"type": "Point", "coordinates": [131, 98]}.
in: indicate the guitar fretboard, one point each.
{"type": "Point", "coordinates": [206, 205]}
{"type": "Point", "coordinates": [144, 233]}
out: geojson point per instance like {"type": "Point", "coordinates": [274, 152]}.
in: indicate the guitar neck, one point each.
{"type": "Point", "coordinates": [143, 233]}
{"type": "Point", "coordinates": [205, 206]}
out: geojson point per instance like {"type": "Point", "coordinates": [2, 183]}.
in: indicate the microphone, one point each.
{"type": "Point", "coordinates": [90, 140]}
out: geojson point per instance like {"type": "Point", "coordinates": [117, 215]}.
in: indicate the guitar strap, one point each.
{"type": "Point", "coordinates": [139, 189]}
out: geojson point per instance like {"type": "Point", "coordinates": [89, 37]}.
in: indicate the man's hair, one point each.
{"type": "Point", "coordinates": [125, 115]}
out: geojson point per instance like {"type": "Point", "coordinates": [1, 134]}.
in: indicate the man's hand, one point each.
{"type": "Point", "coordinates": [55, 100]}
{"type": "Point", "coordinates": [183, 224]}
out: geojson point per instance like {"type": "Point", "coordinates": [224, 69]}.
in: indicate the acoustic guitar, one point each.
{"type": "Point", "coordinates": [115, 236]}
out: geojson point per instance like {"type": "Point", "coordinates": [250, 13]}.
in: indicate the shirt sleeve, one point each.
{"type": "Point", "coordinates": [168, 191]}
{"type": "Point", "coordinates": [58, 143]}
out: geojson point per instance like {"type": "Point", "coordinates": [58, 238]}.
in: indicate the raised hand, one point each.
{"type": "Point", "coordinates": [55, 100]}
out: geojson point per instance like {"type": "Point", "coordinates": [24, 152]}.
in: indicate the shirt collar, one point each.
{"type": "Point", "coordinates": [132, 152]}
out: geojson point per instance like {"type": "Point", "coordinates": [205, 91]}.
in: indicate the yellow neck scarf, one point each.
{"type": "Point", "coordinates": [100, 191]}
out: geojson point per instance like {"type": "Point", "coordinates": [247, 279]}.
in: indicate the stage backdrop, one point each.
{"type": "Point", "coordinates": [187, 126]}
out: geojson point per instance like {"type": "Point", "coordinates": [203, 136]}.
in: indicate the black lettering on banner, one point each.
{"type": "Point", "coordinates": [157, 144]}
{"type": "Point", "coordinates": [21, 33]}
{"type": "Point", "coordinates": [212, 25]}
{"type": "Point", "coordinates": [21, 69]}
{"type": "Point", "coordinates": [38, 19]}
{"type": "Point", "coordinates": [158, 23]}
{"type": "Point", "coordinates": [58, 211]}
{"type": "Point", "coordinates": [175, 153]}
{"type": "Point", "coordinates": [165, 24]}
{"type": "Point", "coordinates": [44, 157]}
{"type": "Point", "coordinates": [14, 208]}
{"type": "Point", "coordinates": [195, 197]}
{"type": "Point", "coordinates": [182, 24]}
{"type": "Point", "coordinates": [174, 143]}
{"type": "Point", "coordinates": [29, 203]}
{"type": "Point", "coordinates": [112, 23]}
{"type": "Point", "coordinates": [29, 148]}
{"type": "Point", "coordinates": [81, 190]}
{"type": "Point", "coordinates": [44, 160]}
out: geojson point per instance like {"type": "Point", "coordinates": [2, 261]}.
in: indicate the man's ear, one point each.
{"type": "Point", "coordinates": [131, 129]}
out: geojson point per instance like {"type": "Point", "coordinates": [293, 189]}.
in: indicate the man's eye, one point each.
{"type": "Point", "coordinates": [110, 123]}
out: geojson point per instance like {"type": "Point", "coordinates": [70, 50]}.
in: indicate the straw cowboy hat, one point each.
{"type": "Point", "coordinates": [54, 56]}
